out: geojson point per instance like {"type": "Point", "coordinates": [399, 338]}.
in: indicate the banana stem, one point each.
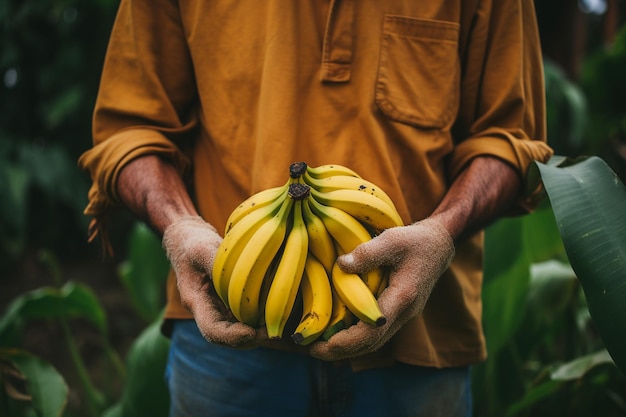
{"type": "Point", "coordinates": [297, 169]}
{"type": "Point", "coordinates": [299, 191]}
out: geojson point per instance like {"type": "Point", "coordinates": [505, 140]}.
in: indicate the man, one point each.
{"type": "Point", "coordinates": [441, 103]}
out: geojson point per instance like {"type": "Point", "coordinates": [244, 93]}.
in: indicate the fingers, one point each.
{"type": "Point", "coordinates": [217, 328]}
{"type": "Point", "coordinates": [396, 304]}
{"type": "Point", "coordinates": [191, 242]}
{"type": "Point", "coordinates": [384, 249]}
{"type": "Point", "coordinates": [354, 341]}
{"type": "Point", "coordinates": [215, 322]}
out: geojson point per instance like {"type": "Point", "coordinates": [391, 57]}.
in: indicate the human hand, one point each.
{"type": "Point", "coordinates": [190, 244]}
{"type": "Point", "coordinates": [417, 255]}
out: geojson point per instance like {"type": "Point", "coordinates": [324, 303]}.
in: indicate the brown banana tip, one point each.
{"type": "Point", "coordinates": [297, 338]}
{"type": "Point", "coordinates": [298, 191]}
{"type": "Point", "coordinates": [297, 169]}
{"type": "Point", "coordinates": [380, 321]}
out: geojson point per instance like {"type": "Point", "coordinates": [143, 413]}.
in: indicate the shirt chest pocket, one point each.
{"type": "Point", "coordinates": [418, 73]}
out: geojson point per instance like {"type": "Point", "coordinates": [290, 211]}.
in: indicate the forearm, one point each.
{"type": "Point", "coordinates": [486, 189]}
{"type": "Point", "coordinates": [153, 190]}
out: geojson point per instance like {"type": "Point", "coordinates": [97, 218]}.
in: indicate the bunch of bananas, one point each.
{"type": "Point", "coordinates": [281, 245]}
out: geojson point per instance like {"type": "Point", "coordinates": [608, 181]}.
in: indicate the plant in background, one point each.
{"type": "Point", "coordinates": [553, 299]}
{"type": "Point", "coordinates": [50, 62]}
{"type": "Point", "coordinates": [44, 391]}
{"type": "Point", "coordinates": [32, 385]}
{"type": "Point", "coordinates": [604, 84]}
{"type": "Point", "coordinates": [566, 111]}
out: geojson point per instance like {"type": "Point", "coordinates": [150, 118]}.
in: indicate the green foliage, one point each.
{"type": "Point", "coordinates": [70, 301]}
{"type": "Point", "coordinates": [45, 389]}
{"type": "Point", "coordinates": [551, 357]}
{"type": "Point", "coordinates": [143, 280]}
{"type": "Point", "coordinates": [604, 84]}
{"type": "Point", "coordinates": [602, 79]}
{"type": "Point", "coordinates": [566, 111]}
{"type": "Point", "coordinates": [144, 390]}
{"type": "Point", "coordinates": [588, 200]}
{"type": "Point", "coordinates": [51, 52]}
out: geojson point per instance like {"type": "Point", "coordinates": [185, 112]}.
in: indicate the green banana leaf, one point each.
{"type": "Point", "coordinates": [144, 272]}
{"type": "Point", "coordinates": [73, 300]}
{"type": "Point", "coordinates": [589, 204]}
{"type": "Point", "coordinates": [47, 391]}
{"type": "Point", "coordinates": [145, 391]}
{"type": "Point", "coordinates": [506, 281]}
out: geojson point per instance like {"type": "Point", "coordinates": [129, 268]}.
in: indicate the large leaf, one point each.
{"type": "Point", "coordinates": [145, 271]}
{"type": "Point", "coordinates": [589, 204]}
{"type": "Point", "coordinates": [145, 392]}
{"type": "Point", "coordinates": [541, 235]}
{"type": "Point", "coordinates": [71, 301]}
{"type": "Point", "coordinates": [506, 280]}
{"type": "Point", "coordinates": [46, 387]}
{"type": "Point", "coordinates": [577, 368]}
{"type": "Point", "coordinates": [529, 240]}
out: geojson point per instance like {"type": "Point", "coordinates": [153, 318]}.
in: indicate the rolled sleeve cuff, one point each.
{"type": "Point", "coordinates": [515, 148]}
{"type": "Point", "coordinates": [106, 159]}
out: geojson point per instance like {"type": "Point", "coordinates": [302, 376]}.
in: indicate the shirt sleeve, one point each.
{"type": "Point", "coordinates": [502, 109]}
{"type": "Point", "coordinates": [146, 102]}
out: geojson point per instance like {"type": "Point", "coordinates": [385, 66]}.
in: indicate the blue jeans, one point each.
{"type": "Point", "coordinates": [209, 380]}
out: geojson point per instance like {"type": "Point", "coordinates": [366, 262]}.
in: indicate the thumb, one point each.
{"type": "Point", "coordinates": [381, 250]}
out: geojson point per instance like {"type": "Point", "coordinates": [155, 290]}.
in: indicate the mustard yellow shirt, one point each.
{"type": "Point", "coordinates": [404, 92]}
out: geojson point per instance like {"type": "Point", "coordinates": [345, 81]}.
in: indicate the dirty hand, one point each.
{"type": "Point", "coordinates": [190, 244]}
{"type": "Point", "coordinates": [417, 256]}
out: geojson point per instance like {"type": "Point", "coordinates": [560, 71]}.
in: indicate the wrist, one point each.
{"type": "Point", "coordinates": [153, 190]}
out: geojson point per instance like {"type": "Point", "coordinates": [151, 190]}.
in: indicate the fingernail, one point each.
{"type": "Point", "coordinates": [348, 258]}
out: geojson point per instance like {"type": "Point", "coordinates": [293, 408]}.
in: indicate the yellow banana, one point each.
{"type": "Point", "coordinates": [235, 240]}
{"type": "Point", "coordinates": [286, 282]}
{"type": "Point", "coordinates": [317, 302]}
{"type": "Point", "coordinates": [254, 202]}
{"type": "Point", "coordinates": [346, 230]}
{"type": "Point", "coordinates": [264, 197]}
{"type": "Point", "coordinates": [249, 271]}
{"type": "Point", "coordinates": [341, 318]}
{"type": "Point", "coordinates": [355, 294]}
{"type": "Point", "coordinates": [267, 282]}
{"type": "Point", "coordinates": [348, 233]}
{"type": "Point", "coordinates": [366, 207]}
{"type": "Point", "coordinates": [320, 241]}
{"type": "Point", "coordinates": [346, 182]}
{"type": "Point", "coordinates": [384, 282]}
{"type": "Point", "coordinates": [328, 170]}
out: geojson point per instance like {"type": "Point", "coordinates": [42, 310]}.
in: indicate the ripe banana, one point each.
{"type": "Point", "coordinates": [320, 241]}
{"type": "Point", "coordinates": [346, 182]}
{"type": "Point", "coordinates": [286, 281]}
{"type": "Point", "coordinates": [348, 233]}
{"type": "Point", "coordinates": [341, 318]}
{"type": "Point", "coordinates": [234, 242]}
{"type": "Point", "coordinates": [264, 197]}
{"type": "Point", "coordinates": [249, 271]}
{"type": "Point", "coordinates": [366, 207]}
{"type": "Point", "coordinates": [267, 282]}
{"type": "Point", "coordinates": [280, 247]}
{"type": "Point", "coordinates": [355, 294]}
{"type": "Point", "coordinates": [328, 170]}
{"type": "Point", "coordinates": [317, 302]}
{"type": "Point", "coordinates": [254, 202]}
